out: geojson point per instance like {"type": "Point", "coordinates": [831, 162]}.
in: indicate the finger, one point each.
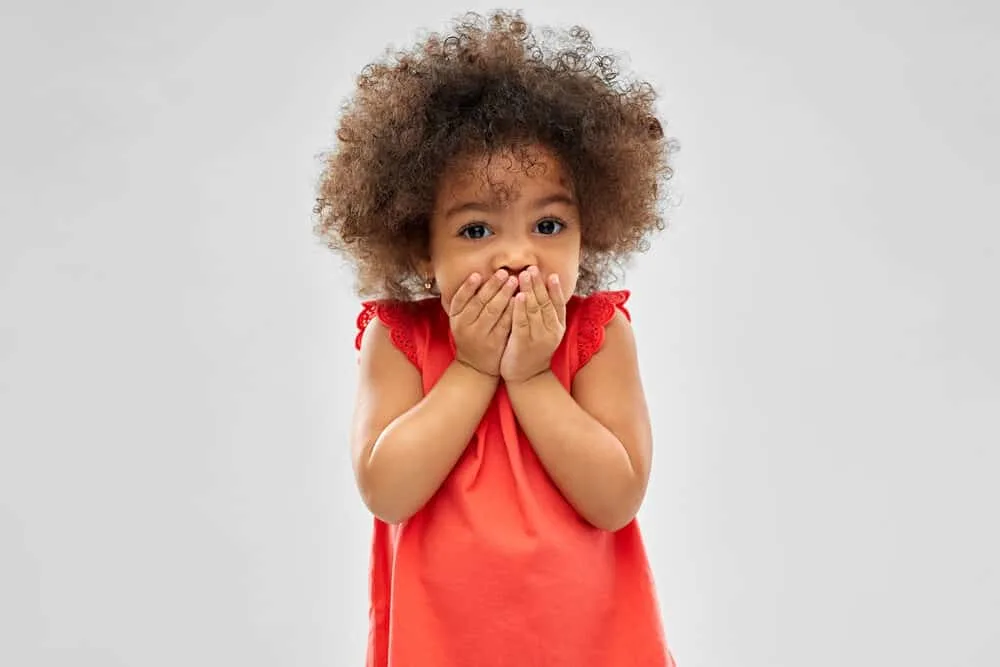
{"type": "Point", "coordinates": [507, 317]}
{"type": "Point", "coordinates": [558, 298]}
{"type": "Point", "coordinates": [465, 292]}
{"type": "Point", "coordinates": [538, 287]}
{"type": "Point", "coordinates": [547, 311]}
{"type": "Point", "coordinates": [535, 324]}
{"type": "Point", "coordinates": [494, 310]}
{"type": "Point", "coordinates": [482, 297]}
{"type": "Point", "coordinates": [519, 323]}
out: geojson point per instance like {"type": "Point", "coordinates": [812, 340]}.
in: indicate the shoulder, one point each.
{"type": "Point", "coordinates": [600, 321]}
{"type": "Point", "coordinates": [393, 324]}
{"type": "Point", "coordinates": [383, 349]}
{"type": "Point", "coordinates": [603, 302]}
{"type": "Point", "coordinates": [388, 363]}
{"type": "Point", "coordinates": [607, 357]}
{"type": "Point", "coordinates": [618, 336]}
{"type": "Point", "coordinates": [394, 314]}
{"type": "Point", "coordinates": [610, 350]}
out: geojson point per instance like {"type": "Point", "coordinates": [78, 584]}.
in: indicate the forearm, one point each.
{"type": "Point", "coordinates": [585, 460]}
{"type": "Point", "coordinates": [413, 455]}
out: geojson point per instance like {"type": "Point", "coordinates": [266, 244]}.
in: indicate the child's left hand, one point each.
{"type": "Point", "coordinates": [538, 327]}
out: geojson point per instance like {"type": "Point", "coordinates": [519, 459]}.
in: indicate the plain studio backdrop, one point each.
{"type": "Point", "coordinates": [818, 331]}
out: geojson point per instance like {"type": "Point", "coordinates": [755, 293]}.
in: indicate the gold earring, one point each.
{"type": "Point", "coordinates": [428, 284]}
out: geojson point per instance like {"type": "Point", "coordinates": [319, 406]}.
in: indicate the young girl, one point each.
{"type": "Point", "coordinates": [484, 186]}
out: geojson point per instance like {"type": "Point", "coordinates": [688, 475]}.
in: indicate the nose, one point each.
{"type": "Point", "coordinates": [515, 255]}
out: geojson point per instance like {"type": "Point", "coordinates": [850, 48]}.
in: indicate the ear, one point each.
{"type": "Point", "coordinates": [423, 269]}
{"type": "Point", "coordinates": [422, 266]}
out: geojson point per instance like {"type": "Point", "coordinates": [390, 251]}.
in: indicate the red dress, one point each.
{"type": "Point", "coordinates": [497, 569]}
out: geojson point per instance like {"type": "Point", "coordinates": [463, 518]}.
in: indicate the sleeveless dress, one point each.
{"type": "Point", "coordinates": [497, 569]}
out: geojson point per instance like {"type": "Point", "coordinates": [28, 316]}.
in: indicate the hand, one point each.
{"type": "Point", "coordinates": [539, 322]}
{"type": "Point", "coordinates": [480, 318]}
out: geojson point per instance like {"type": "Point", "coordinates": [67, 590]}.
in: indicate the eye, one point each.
{"type": "Point", "coordinates": [475, 231]}
{"type": "Point", "coordinates": [549, 226]}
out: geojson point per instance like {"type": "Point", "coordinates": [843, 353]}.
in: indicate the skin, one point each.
{"type": "Point", "coordinates": [504, 252]}
{"type": "Point", "coordinates": [507, 223]}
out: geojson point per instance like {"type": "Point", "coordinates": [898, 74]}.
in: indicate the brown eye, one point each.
{"type": "Point", "coordinates": [474, 231]}
{"type": "Point", "coordinates": [549, 226]}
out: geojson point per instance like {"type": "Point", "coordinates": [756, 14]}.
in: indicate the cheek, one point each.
{"type": "Point", "coordinates": [569, 272]}
{"type": "Point", "coordinates": [451, 274]}
{"type": "Point", "coordinates": [567, 283]}
{"type": "Point", "coordinates": [448, 283]}
{"type": "Point", "coordinates": [446, 297]}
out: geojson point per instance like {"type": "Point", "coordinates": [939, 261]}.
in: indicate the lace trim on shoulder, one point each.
{"type": "Point", "coordinates": [597, 310]}
{"type": "Point", "coordinates": [394, 315]}
{"type": "Point", "coordinates": [365, 317]}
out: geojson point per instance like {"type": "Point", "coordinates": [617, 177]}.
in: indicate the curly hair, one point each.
{"type": "Point", "coordinates": [490, 86]}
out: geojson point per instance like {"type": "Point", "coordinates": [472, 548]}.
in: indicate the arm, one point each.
{"type": "Point", "coordinates": [599, 450]}
{"type": "Point", "coordinates": [403, 443]}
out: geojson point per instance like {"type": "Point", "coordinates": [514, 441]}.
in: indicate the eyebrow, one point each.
{"type": "Point", "coordinates": [541, 202]}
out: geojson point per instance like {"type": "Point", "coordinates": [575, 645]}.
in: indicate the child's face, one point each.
{"type": "Point", "coordinates": [514, 221]}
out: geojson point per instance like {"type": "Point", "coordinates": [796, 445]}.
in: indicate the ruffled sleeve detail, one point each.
{"type": "Point", "coordinates": [395, 315]}
{"type": "Point", "coordinates": [596, 311]}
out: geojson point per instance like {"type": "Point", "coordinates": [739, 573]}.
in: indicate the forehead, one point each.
{"type": "Point", "coordinates": [504, 177]}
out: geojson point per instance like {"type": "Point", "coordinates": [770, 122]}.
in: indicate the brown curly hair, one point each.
{"type": "Point", "coordinates": [490, 86]}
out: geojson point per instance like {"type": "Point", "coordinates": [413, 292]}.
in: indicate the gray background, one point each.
{"type": "Point", "coordinates": [818, 331]}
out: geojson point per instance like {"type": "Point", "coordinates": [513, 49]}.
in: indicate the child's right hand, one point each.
{"type": "Point", "coordinates": [480, 317]}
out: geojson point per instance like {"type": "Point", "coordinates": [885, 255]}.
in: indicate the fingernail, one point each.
{"type": "Point", "coordinates": [501, 274]}
{"type": "Point", "coordinates": [555, 279]}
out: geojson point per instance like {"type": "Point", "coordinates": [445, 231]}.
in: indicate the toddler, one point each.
{"type": "Point", "coordinates": [485, 184]}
